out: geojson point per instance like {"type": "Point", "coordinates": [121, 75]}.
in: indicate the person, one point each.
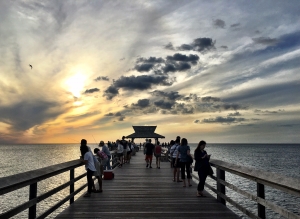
{"type": "Point", "coordinates": [157, 154]}
{"type": "Point", "coordinates": [202, 166]}
{"type": "Point", "coordinates": [130, 147]}
{"type": "Point", "coordinates": [102, 158]}
{"type": "Point", "coordinates": [98, 173]}
{"type": "Point", "coordinates": [120, 150]}
{"type": "Point", "coordinates": [176, 165]}
{"type": "Point", "coordinates": [149, 147]}
{"type": "Point", "coordinates": [88, 160]}
{"type": "Point", "coordinates": [125, 145]}
{"type": "Point", "coordinates": [107, 152]}
{"type": "Point", "coordinates": [184, 151]}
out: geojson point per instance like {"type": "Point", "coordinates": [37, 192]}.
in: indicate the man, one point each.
{"type": "Point", "coordinates": [173, 153]}
{"type": "Point", "coordinates": [88, 160]}
{"type": "Point", "coordinates": [149, 147]}
{"type": "Point", "coordinates": [107, 152]}
{"type": "Point", "coordinates": [124, 143]}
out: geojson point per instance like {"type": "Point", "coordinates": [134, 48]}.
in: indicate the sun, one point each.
{"type": "Point", "coordinates": [75, 84]}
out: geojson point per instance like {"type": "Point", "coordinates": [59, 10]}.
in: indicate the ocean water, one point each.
{"type": "Point", "coordinates": [283, 159]}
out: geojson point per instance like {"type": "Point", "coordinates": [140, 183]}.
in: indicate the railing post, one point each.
{"type": "Point", "coordinates": [261, 210]}
{"type": "Point", "coordinates": [72, 185]}
{"type": "Point", "coordinates": [220, 187]}
{"type": "Point", "coordinates": [32, 195]}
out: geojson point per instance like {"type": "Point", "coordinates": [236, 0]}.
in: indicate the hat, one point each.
{"type": "Point", "coordinates": [101, 142]}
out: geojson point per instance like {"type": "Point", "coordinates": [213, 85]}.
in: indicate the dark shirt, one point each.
{"type": "Point", "coordinates": [124, 143]}
{"type": "Point", "coordinates": [149, 148]}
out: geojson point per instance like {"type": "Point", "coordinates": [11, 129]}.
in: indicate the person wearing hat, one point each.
{"type": "Point", "coordinates": [107, 152]}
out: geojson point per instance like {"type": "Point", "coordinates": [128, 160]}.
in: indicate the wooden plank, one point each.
{"type": "Point", "coordinates": [140, 192]}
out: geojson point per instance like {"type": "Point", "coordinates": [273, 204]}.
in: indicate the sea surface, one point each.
{"type": "Point", "coordinates": [282, 159]}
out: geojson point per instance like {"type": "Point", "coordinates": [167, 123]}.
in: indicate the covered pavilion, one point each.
{"type": "Point", "coordinates": [144, 132]}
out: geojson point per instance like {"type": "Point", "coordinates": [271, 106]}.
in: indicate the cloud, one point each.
{"type": "Point", "coordinates": [210, 99]}
{"type": "Point", "coordinates": [234, 114]}
{"type": "Point", "coordinates": [142, 103]}
{"type": "Point", "coordinates": [169, 46]}
{"type": "Point", "coordinates": [184, 58]}
{"type": "Point", "coordinates": [224, 47]}
{"type": "Point", "coordinates": [82, 116]}
{"type": "Point", "coordinates": [111, 92]}
{"type": "Point", "coordinates": [164, 104]}
{"type": "Point", "coordinates": [29, 113]}
{"type": "Point", "coordinates": [230, 106]}
{"type": "Point", "coordinates": [102, 78]}
{"type": "Point", "coordinates": [219, 23]}
{"type": "Point", "coordinates": [199, 44]}
{"type": "Point", "coordinates": [235, 25]}
{"type": "Point", "coordinates": [172, 95]}
{"type": "Point", "coordinates": [265, 40]}
{"type": "Point", "coordinates": [90, 91]}
{"type": "Point", "coordinates": [222, 120]}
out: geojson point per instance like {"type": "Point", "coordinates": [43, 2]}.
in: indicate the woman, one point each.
{"type": "Point", "coordinates": [157, 154]}
{"type": "Point", "coordinates": [120, 150]}
{"type": "Point", "coordinates": [107, 152]}
{"type": "Point", "coordinates": [183, 152]}
{"type": "Point", "coordinates": [202, 166]}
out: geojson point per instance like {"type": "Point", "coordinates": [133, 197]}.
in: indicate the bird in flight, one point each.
{"type": "Point", "coordinates": [30, 66]}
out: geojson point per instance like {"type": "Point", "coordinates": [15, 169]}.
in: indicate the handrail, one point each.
{"type": "Point", "coordinates": [262, 178]}
{"type": "Point", "coordinates": [31, 178]}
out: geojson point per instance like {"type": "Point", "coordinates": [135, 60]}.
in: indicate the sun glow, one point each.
{"type": "Point", "coordinates": [75, 84]}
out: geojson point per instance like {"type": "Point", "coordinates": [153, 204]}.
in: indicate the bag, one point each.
{"type": "Point", "coordinates": [189, 159]}
{"type": "Point", "coordinates": [102, 155]}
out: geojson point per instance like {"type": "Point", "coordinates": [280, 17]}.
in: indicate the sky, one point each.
{"type": "Point", "coordinates": [219, 71]}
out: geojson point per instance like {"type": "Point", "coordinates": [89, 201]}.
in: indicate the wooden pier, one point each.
{"type": "Point", "coordinates": [140, 192]}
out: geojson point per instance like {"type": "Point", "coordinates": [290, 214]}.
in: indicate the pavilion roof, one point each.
{"type": "Point", "coordinates": [144, 132]}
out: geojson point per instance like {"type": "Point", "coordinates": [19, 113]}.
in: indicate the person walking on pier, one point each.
{"type": "Point", "coordinates": [157, 154]}
{"type": "Point", "coordinates": [184, 151]}
{"type": "Point", "coordinates": [202, 166]}
{"type": "Point", "coordinates": [107, 152]}
{"type": "Point", "coordinates": [120, 150]}
{"type": "Point", "coordinates": [88, 160]}
{"type": "Point", "coordinates": [176, 165]}
{"type": "Point", "coordinates": [149, 147]}
{"type": "Point", "coordinates": [125, 145]}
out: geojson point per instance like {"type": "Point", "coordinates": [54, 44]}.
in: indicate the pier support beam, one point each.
{"type": "Point", "coordinates": [32, 195]}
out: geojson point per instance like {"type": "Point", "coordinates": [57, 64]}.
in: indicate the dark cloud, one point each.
{"type": "Point", "coordinates": [90, 91]}
{"type": "Point", "coordinates": [228, 106]}
{"type": "Point", "coordinates": [197, 121]}
{"type": "Point", "coordinates": [219, 23]}
{"type": "Point", "coordinates": [142, 103]}
{"type": "Point", "coordinates": [223, 120]}
{"type": "Point", "coordinates": [266, 111]}
{"type": "Point", "coordinates": [164, 104]}
{"type": "Point", "coordinates": [121, 118]}
{"type": "Point", "coordinates": [111, 92]}
{"type": "Point", "coordinates": [118, 114]}
{"type": "Point", "coordinates": [184, 108]}
{"type": "Point", "coordinates": [101, 78]}
{"type": "Point", "coordinates": [150, 60]}
{"type": "Point", "coordinates": [210, 99]}
{"type": "Point", "coordinates": [235, 25]}
{"type": "Point", "coordinates": [199, 44]}
{"type": "Point", "coordinates": [173, 95]}
{"type": "Point", "coordinates": [169, 46]}
{"type": "Point", "coordinates": [191, 97]}
{"type": "Point", "coordinates": [109, 114]}
{"type": "Point", "coordinates": [144, 67]}
{"type": "Point", "coordinates": [142, 82]}
{"type": "Point", "coordinates": [224, 47]}
{"type": "Point", "coordinates": [265, 40]}
{"type": "Point", "coordinates": [184, 58]}
{"type": "Point", "coordinates": [29, 113]}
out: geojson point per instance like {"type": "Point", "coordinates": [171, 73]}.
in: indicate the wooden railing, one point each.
{"type": "Point", "coordinates": [32, 178]}
{"type": "Point", "coordinates": [262, 179]}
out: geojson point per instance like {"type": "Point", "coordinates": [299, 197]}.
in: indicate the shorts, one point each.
{"type": "Point", "coordinates": [104, 161]}
{"type": "Point", "coordinates": [120, 154]}
{"type": "Point", "coordinates": [157, 155]}
{"type": "Point", "coordinates": [129, 152]}
{"type": "Point", "coordinates": [176, 165]}
{"type": "Point", "coordinates": [148, 157]}
{"type": "Point", "coordinates": [125, 152]}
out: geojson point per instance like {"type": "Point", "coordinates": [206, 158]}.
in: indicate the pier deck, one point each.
{"type": "Point", "coordinates": [139, 192]}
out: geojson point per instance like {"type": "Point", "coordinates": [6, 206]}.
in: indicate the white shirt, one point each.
{"type": "Point", "coordinates": [120, 148]}
{"type": "Point", "coordinates": [90, 158]}
{"type": "Point", "coordinates": [175, 148]}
